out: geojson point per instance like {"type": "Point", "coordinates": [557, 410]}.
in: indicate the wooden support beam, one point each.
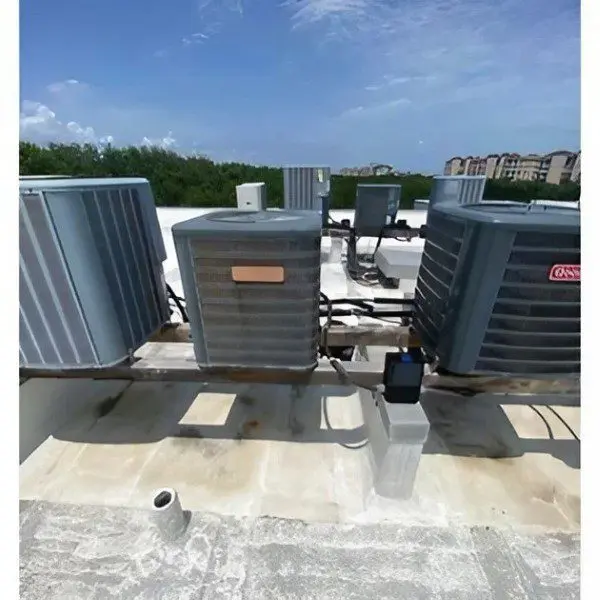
{"type": "Point", "coordinates": [337, 335]}
{"type": "Point", "coordinates": [175, 361]}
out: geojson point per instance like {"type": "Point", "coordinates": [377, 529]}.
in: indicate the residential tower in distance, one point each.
{"type": "Point", "coordinates": [557, 167]}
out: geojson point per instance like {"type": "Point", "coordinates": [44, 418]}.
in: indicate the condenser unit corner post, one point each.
{"type": "Point", "coordinates": [251, 196]}
{"type": "Point", "coordinates": [251, 282]}
{"type": "Point", "coordinates": [485, 251]}
{"type": "Point", "coordinates": [185, 260]}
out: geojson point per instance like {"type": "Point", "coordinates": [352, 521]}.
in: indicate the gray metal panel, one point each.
{"type": "Point", "coordinates": [90, 288]}
{"type": "Point", "coordinates": [325, 204]}
{"type": "Point", "coordinates": [54, 322]}
{"type": "Point", "coordinates": [303, 187]}
{"type": "Point", "coordinates": [249, 223]}
{"type": "Point", "coordinates": [251, 196]}
{"type": "Point", "coordinates": [460, 189]}
{"type": "Point", "coordinates": [252, 324]}
{"type": "Point", "coordinates": [150, 220]}
{"type": "Point", "coordinates": [513, 215]}
{"type": "Point", "coordinates": [31, 184]}
{"type": "Point", "coordinates": [484, 302]}
{"type": "Point", "coordinates": [376, 206]}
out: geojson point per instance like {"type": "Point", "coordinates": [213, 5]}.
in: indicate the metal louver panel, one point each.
{"type": "Point", "coordinates": [436, 273]}
{"type": "Point", "coordinates": [303, 187]}
{"type": "Point", "coordinates": [460, 189]}
{"type": "Point", "coordinates": [91, 287]}
{"type": "Point", "coordinates": [257, 323]}
{"type": "Point", "coordinates": [485, 299]}
{"type": "Point", "coordinates": [253, 323]}
{"type": "Point", "coordinates": [52, 326]}
{"type": "Point", "coordinates": [535, 324]}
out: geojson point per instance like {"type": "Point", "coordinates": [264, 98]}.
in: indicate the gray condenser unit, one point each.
{"type": "Point", "coordinates": [304, 187]}
{"type": "Point", "coordinates": [498, 289]}
{"type": "Point", "coordinates": [91, 285]}
{"type": "Point", "coordinates": [461, 189]}
{"type": "Point", "coordinates": [376, 206]}
{"type": "Point", "coordinates": [251, 282]}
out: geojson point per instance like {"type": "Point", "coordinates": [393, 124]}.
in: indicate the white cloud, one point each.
{"type": "Point", "coordinates": [222, 6]}
{"type": "Point", "coordinates": [84, 134]}
{"type": "Point", "coordinates": [63, 86]}
{"type": "Point", "coordinates": [337, 12]}
{"type": "Point", "coordinates": [384, 107]}
{"type": "Point", "coordinates": [390, 80]}
{"type": "Point", "coordinates": [166, 142]}
{"type": "Point", "coordinates": [448, 51]}
{"type": "Point", "coordinates": [99, 118]}
{"type": "Point", "coordinates": [38, 123]}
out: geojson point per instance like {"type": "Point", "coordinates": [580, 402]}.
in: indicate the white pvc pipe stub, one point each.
{"type": "Point", "coordinates": [168, 514]}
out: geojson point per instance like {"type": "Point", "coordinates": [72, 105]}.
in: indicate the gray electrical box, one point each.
{"type": "Point", "coordinates": [251, 196]}
{"type": "Point", "coordinates": [251, 282]}
{"type": "Point", "coordinates": [304, 187]}
{"type": "Point", "coordinates": [460, 189]}
{"type": "Point", "coordinates": [376, 206]}
{"type": "Point", "coordinates": [498, 289]}
{"type": "Point", "coordinates": [91, 285]}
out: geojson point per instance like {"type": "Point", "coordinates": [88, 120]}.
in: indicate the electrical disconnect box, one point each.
{"type": "Point", "coordinates": [305, 187]}
{"type": "Point", "coordinates": [376, 206]}
{"type": "Point", "coordinates": [91, 285]}
{"type": "Point", "coordinates": [460, 189]}
{"type": "Point", "coordinates": [251, 196]}
{"type": "Point", "coordinates": [251, 282]}
{"type": "Point", "coordinates": [498, 289]}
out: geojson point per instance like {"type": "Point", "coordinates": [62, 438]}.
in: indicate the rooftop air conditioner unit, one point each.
{"type": "Point", "coordinates": [91, 287]}
{"type": "Point", "coordinates": [251, 196]}
{"type": "Point", "coordinates": [251, 282]}
{"type": "Point", "coordinates": [498, 289]}
{"type": "Point", "coordinates": [461, 189]}
{"type": "Point", "coordinates": [376, 206]}
{"type": "Point", "coordinates": [304, 187]}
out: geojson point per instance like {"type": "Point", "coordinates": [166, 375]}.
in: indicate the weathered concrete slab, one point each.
{"type": "Point", "coordinates": [75, 552]}
{"type": "Point", "coordinates": [255, 451]}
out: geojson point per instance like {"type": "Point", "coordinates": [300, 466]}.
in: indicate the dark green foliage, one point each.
{"type": "Point", "coordinates": [197, 181]}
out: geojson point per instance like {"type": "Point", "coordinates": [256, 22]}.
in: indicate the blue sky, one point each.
{"type": "Point", "coordinates": [340, 82]}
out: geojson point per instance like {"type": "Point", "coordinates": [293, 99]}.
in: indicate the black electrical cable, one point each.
{"type": "Point", "coordinates": [179, 303]}
{"type": "Point", "coordinates": [335, 363]}
{"type": "Point", "coordinates": [561, 419]}
{"type": "Point", "coordinates": [378, 242]}
{"type": "Point", "coordinates": [544, 420]}
{"type": "Point", "coordinates": [357, 312]}
{"type": "Point", "coordinates": [336, 223]}
{"type": "Point", "coordinates": [363, 301]}
{"type": "Point", "coordinates": [386, 320]}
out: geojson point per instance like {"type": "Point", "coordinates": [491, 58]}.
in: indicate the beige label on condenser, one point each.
{"type": "Point", "coordinates": [248, 274]}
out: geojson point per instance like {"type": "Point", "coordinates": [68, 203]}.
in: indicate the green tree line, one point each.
{"type": "Point", "coordinates": [179, 180]}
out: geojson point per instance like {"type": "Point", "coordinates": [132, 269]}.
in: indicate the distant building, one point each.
{"type": "Point", "coordinates": [369, 170]}
{"type": "Point", "coordinates": [557, 167]}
